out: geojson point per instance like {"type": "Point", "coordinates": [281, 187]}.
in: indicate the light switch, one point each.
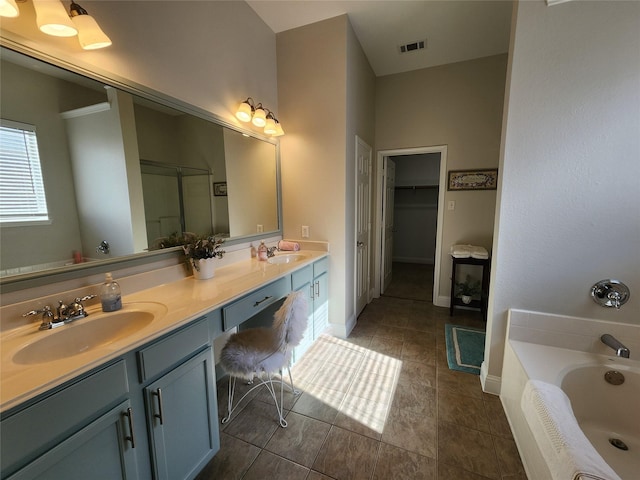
{"type": "Point", "coordinates": [260, 228]}
{"type": "Point", "coordinates": [305, 231]}
{"type": "Point", "coordinates": [451, 205]}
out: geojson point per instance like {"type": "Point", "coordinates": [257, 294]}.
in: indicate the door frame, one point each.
{"type": "Point", "coordinates": [360, 141]}
{"type": "Point", "coordinates": [378, 228]}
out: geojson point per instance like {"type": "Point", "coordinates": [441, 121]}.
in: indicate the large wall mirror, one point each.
{"type": "Point", "coordinates": [122, 170]}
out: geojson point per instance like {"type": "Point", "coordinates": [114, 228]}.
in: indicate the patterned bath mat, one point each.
{"type": "Point", "coordinates": [465, 348]}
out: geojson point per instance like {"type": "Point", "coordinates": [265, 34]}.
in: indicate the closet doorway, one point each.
{"type": "Point", "coordinates": [409, 215]}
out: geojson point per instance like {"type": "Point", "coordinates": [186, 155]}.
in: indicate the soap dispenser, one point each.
{"type": "Point", "coordinates": [110, 294]}
{"type": "Point", "coordinates": [262, 252]}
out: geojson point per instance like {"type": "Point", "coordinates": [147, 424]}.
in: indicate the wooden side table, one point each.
{"type": "Point", "coordinates": [485, 263]}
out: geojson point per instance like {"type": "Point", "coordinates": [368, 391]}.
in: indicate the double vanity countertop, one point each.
{"type": "Point", "coordinates": [167, 307]}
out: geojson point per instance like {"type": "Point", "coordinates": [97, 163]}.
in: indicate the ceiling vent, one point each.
{"type": "Point", "coordinates": [413, 46]}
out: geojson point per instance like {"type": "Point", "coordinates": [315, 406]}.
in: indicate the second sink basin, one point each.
{"type": "Point", "coordinates": [286, 258]}
{"type": "Point", "coordinates": [96, 330]}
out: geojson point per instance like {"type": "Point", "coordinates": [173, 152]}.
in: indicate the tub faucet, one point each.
{"type": "Point", "coordinates": [611, 341]}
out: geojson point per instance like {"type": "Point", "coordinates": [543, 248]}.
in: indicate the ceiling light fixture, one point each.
{"type": "Point", "coordinates": [53, 19]}
{"type": "Point", "coordinates": [260, 116]}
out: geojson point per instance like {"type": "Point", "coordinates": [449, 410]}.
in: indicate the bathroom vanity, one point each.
{"type": "Point", "coordinates": [143, 406]}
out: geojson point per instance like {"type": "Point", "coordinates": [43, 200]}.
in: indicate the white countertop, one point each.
{"type": "Point", "coordinates": [180, 302]}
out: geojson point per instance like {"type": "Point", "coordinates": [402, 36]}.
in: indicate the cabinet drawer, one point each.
{"type": "Point", "coordinates": [320, 267]}
{"type": "Point", "coordinates": [245, 308]}
{"type": "Point", "coordinates": [300, 277]}
{"type": "Point", "coordinates": [38, 428]}
{"type": "Point", "coordinates": [169, 351]}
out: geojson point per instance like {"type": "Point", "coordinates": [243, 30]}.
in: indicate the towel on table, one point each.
{"type": "Point", "coordinates": [567, 451]}
{"type": "Point", "coordinates": [466, 251]}
{"type": "Point", "coordinates": [288, 246]}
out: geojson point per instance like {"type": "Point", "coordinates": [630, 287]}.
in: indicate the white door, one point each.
{"type": "Point", "coordinates": [363, 223]}
{"type": "Point", "coordinates": [387, 212]}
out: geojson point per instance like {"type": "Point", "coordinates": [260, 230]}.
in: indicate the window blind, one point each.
{"type": "Point", "coordinates": [22, 195]}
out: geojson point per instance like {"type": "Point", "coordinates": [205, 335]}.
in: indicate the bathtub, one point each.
{"type": "Point", "coordinates": [567, 352]}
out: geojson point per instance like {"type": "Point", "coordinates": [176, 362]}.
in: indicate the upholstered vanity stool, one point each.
{"type": "Point", "coordinates": [260, 353]}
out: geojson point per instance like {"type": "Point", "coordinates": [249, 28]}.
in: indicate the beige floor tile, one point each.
{"type": "Point", "coordinates": [363, 416]}
{"type": "Point", "coordinates": [319, 403]}
{"type": "Point", "coordinates": [317, 476]}
{"type": "Point", "coordinates": [255, 423]}
{"type": "Point", "coordinates": [335, 377]}
{"type": "Point", "coordinates": [385, 346]}
{"type": "Point", "coordinates": [417, 352]}
{"type": "Point", "coordinates": [416, 372]}
{"type": "Point", "coordinates": [374, 387]}
{"type": "Point", "coordinates": [232, 461]}
{"type": "Point", "coordinates": [301, 441]}
{"type": "Point", "coordinates": [398, 464]}
{"type": "Point", "coordinates": [466, 448]}
{"type": "Point", "coordinates": [462, 410]}
{"type": "Point", "coordinates": [508, 457]}
{"type": "Point", "coordinates": [415, 398]}
{"type": "Point", "coordinates": [497, 418]}
{"type": "Point", "coordinates": [268, 465]}
{"type": "Point", "coordinates": [459, 382]}
{"type": "Point", "coordinates": [347, 455]}
{"type": "Point", "coordinates": [451, 472]}
{"type": "Point", "coordinates": [412, 432]}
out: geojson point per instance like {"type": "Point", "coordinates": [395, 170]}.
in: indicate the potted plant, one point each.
{"type": "Point", "coordinates": [201, 252]}
{"type": "Point", "coordinates": [467, 289]}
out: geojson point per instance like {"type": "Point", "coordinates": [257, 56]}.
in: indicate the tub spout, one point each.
{"type": "Point", "coordinates": [611, 341]}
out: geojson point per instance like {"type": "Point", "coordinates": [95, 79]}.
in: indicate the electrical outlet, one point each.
{"type": "Point", "coordinates": [305, 231]}
{"type": "Point", "coordinates": [260, 228]}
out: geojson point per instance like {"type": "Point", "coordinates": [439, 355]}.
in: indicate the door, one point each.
{"type": "Point", "coordinates": [363, 223]}
{"type": "Point", "coordinates": [387, 212]}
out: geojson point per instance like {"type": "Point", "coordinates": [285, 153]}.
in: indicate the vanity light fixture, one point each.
{"type": "Point", "coordinates": [9, 8]}
{"type": "Point", "coordinates": [90, 34]}
{"type": "Point", "coordinates": [261, 117]}
{"type": "Point", "coordinates": [52, 18]}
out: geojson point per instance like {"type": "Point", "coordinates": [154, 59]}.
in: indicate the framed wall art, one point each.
{"type": "Point", "coordinates": [220, 189]}
{"type": "Point", "coordinates": [485, 179]}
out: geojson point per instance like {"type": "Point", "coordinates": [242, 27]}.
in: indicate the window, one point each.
{"type": "Point", "coordinates": [22, 197]}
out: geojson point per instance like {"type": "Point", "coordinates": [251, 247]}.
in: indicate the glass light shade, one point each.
{"type": "Point", "coordinates": [53, 19]}
{"type": "Point", "coordinates": [279, 130]}
{"type": "Point", "coordinates": [90, 34]}
{"type": "Point", "coordinates": [9, 8]}
{"type": "Point", "coordinates": [259, 118]}
{"type": "Point", "coordinates": [270, 127]}
{"type": "Point", "coordinates": [244, 112]}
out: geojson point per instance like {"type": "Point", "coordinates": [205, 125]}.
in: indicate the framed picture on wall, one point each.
{"type": "Point", "coordinates": [220, 189]}
{"type": "Point", "coordinates": [484, 179]}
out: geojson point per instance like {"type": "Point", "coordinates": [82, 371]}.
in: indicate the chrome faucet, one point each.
{"type": "Point", "coordinates": [64, 313]}
{"type": "Point", "coordinates": [611, 341]}
{"type": "Point", "coordinates": [271, 251]}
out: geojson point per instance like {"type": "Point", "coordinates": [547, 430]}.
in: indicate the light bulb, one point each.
{"type": "Point", "coordinates": [244, 112]}
{"type": "Point", "coordinates": [259, 117]}
{"type": "Point", "coordinates": [90, 35]}
{"type": "Point", "coordinates": [9, 8]}
{"type": "Point", "coordinates": [53, 19]}
{"type": "Point", "coordinates": [270, 127]}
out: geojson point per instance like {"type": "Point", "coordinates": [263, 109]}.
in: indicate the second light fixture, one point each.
{"type": "Point", "coordinates": [261, 117]}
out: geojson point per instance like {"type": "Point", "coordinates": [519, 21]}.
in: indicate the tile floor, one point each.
{"type": "Point", "coordinates": [381, 404]}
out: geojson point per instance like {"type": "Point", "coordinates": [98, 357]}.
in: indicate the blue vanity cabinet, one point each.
{"type": "Point", "coordinates": [314, 279]}
{"type": "Point", "coordinates": [320, 296]}
{"type": "Point", "coordinates": [101, 450]}
{"type": "Point", "coordinates": [180, 402]}
{"type": "Point", "coordinates": [82, 430]}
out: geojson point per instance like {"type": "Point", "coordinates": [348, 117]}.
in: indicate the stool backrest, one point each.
{"type": "Point", "coordinates": [290, 321]}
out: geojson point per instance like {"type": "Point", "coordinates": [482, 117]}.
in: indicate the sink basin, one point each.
{"type": "Point", "coordinates": [286, 258]}
{"type": "Point", "coordinates": [96, 330]}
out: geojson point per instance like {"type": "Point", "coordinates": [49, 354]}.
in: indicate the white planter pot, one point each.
{"type": "Point", "coordinates": [205, 268]}
{"type": "Point", "coordinates": [466, 299]}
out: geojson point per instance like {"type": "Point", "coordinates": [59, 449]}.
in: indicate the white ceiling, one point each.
{"type": "Point", "coordinates": [455, 30]}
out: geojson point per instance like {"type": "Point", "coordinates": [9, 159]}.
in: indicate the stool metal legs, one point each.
{"type": "Point", "coordinates": [268, 382]}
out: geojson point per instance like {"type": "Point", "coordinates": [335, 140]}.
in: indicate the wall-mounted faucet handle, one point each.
{"type": "Point", "coordinates": [48, 320]}
{"type": "Point", "coordinates": [610, 293]}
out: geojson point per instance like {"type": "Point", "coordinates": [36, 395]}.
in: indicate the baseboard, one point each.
{"type": "Point", "coordinates": [490, 383]}
{"type": "Point", "coordinates": [342, 331]}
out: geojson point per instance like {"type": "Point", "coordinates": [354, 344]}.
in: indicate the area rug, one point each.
{"type": "Point", "coordinates": [465, 348]}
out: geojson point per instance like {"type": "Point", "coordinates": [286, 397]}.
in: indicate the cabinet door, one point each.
{"type": "Point", "coordinates": [183, 419]}
{"type": "Point", "coordinates": [320, 304]}
{"type": "Point", "coordinates": [103, 450]}
{"type": "Point", "coordinates": [307, 339]}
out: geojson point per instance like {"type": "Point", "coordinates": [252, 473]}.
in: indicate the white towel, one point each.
{"type": "Point", "coordinates": [466, 251]}
{"type": "Point", "coordinates": [567, 451]}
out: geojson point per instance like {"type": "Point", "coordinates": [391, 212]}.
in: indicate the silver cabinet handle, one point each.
{"type": "Point", "coordinates": [318, 288]}
{"type": "Point", "coordinates": [131, 438]}
{"type": "Point", "coordinates": [158, 393]}
{"type": "Point", "coordinates": [260, 301]}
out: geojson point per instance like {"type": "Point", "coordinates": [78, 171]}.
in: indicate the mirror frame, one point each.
{"type": "Point", "coordinates": [34, 279]}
